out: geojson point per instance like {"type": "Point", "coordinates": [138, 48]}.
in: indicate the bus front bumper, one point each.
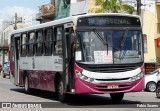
{"type": "Point", "coordinates": [83, 87]}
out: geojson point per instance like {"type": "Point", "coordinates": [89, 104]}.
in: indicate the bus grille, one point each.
{"type": "Point", "coordinates": [109, 68]}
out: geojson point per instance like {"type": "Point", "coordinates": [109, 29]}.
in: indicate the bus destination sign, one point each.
{"type": "Point", "coordinates": [106, 21]}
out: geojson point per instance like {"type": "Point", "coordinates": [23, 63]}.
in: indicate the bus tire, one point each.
{"type": "Point", "coordinates": [117, 96]}
{"type": "Point", "coordinates": [158, 90]}
{"type": "Point", "coordinates": [60, 91]}
{"type": "Point", "coordinates": [9, 75]}
{"type": "Point", "coordinates": [3, 75]}
{"type": "Point", "coordinates": [26, 85]}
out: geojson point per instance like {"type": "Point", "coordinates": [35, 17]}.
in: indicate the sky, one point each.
{"type": "Point", "coordinates": [8, 8]}
{"type": "Point", "coordinates": [33, 4]}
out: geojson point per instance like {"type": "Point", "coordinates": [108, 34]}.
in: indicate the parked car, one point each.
{"type": "Point", "coordinates": [151, 80]}
{"type": "Point", "coordinates": [6, 69]}
{"type": "Point", "coordinates": [158, 87]}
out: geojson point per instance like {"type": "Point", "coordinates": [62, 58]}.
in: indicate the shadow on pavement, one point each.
{"type": "Point", "coordinates": [37, 93]}
{"type": "Point", "coordinates": [87, 100]}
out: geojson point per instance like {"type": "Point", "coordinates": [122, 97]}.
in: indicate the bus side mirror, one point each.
{"type": "Point", "coordinates": [73, 42]}
{"type": "Point", "coordinates": [73, 46]}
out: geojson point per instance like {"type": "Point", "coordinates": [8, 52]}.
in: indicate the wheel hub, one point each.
{"type": "Point", "coordinates": [152, 87]}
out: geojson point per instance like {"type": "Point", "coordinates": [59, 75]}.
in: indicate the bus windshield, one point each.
{"type": "Point", "coordinates": [109, 47]}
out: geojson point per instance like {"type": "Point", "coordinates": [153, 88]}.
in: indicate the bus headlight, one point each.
{"type": "Point", "coordinates": [78, 73]}
{"type": "Point", "coordinates": [83, 77]}
{"type": "Point", "coordinates": [91, 79]}
{"type": "Point", "coordinates": [134, 78]}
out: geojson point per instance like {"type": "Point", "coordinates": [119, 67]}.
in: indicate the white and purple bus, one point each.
{"type": "Point", "coordinates": [84, 54]}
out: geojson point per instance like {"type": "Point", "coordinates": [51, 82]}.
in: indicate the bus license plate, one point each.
{"type": "Point", "coordinates": [112, 86]}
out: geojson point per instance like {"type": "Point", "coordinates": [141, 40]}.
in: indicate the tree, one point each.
{"type": "Point", "coordinates": [111, 6]}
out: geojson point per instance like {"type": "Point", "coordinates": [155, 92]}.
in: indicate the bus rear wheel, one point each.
{"type": "Point", "coordinates": [26, 85]}
{"type": "Point", "coordinates": [3, 75]}
{"type": "Point", "coordinates": [60, 91]}
{"type": "Point", "coordinates": [117, 96]}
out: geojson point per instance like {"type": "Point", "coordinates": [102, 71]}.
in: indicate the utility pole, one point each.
{"type": "Point", "coordinates": [139, 7]}
{"type": "Point", "coordinates": [15, 27]}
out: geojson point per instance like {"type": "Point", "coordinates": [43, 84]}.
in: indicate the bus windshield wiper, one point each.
{"type": "Point", "coordinates": [101, 38]}
{"type": "Point", "coordinates": [123, 43]}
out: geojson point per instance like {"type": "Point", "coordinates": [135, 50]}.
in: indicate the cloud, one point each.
{"type": "Point", "coordinates": [8, 13]}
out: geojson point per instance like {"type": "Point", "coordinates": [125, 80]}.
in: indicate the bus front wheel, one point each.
{"type": "Point", "coordinates": [60, 91]}
{"type": "Point", "coordinates": [117, 96]}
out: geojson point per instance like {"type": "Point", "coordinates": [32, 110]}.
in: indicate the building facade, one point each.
{"type": "Point", "coordinates": [151, 28]}
{"type": "Point", "coordinates": [5, 35]}
{"type": "Point", "coordinates": [5, 42]}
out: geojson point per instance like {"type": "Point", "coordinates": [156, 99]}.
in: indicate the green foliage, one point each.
{"type": "Point", "coordinates": [128, 8]}
{"type": "Point", "coordinates": [113, 6]}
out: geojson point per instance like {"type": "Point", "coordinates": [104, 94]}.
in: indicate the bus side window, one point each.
{"type": "Point", "coordinates": [39, 42]}
{"type": "Point", "coordinates": [58, 40]}
{"type": "Point", "coordinates": [48, 41]}
{"type": "Point", "coordinates": [23, 45]}
{"type": "Point", "coordinates": [31, 43]}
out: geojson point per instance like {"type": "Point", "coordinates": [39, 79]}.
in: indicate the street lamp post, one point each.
{"type": "Point", "coordinates": [15, 27]}
{"type": "Point", "coordinates": [139, 7]}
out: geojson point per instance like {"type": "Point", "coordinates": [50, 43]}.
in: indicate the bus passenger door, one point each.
{"type": "Point", "coordinates": [17, 56]}
{"type": "Point", "coordinates": [67, 60]}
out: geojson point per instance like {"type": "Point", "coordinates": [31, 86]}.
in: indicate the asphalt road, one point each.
{"type": "Point", "coordinates": [138, 101]}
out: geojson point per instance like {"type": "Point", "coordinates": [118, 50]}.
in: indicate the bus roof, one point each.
{"type": "Point", "coordinates": [67, 20]}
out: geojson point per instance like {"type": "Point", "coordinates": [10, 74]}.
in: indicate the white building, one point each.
{"type": "Point", "coordinates": [5, 35]}
{"type": "Point", "coordinates": [5, 41]}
